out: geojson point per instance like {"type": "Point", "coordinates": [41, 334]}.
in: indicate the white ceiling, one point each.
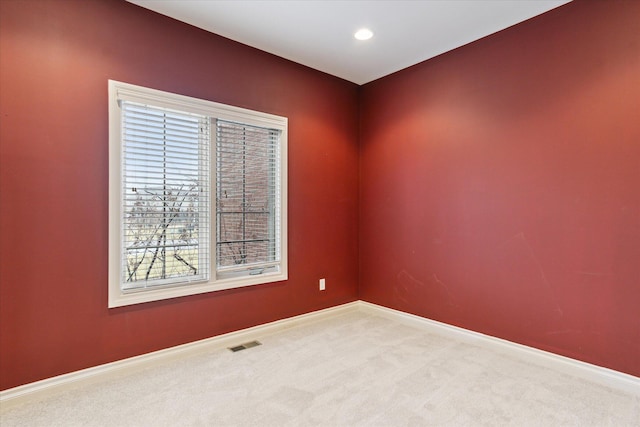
{"type": "Point", "coordinates": [319, 34]}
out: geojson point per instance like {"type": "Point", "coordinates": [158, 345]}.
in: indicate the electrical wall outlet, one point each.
{"type": "Point", "coordinates": [322, 285]}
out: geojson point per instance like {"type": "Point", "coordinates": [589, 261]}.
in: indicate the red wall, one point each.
{"type": "Point", "coordinates": [56, 59]}
{"type": "Point", "coordinates": [500, 185]}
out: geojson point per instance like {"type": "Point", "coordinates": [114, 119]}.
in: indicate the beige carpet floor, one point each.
{"type": "Point", "coordinates": [354, 369]}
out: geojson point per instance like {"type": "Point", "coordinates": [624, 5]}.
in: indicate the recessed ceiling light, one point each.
{"type": "Point", "coordinates": [363, 34]}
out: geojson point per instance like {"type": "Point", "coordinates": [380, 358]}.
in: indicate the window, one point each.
{"type": "Point", "coordinates": [197, 196]}
{"type": "Point", "coordinates": [246, 194]}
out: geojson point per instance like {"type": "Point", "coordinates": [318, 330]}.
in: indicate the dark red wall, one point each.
{"type": "Point", "coordinates": [500, 185]}
{"type": "Point", "coordinates": [56, 59]}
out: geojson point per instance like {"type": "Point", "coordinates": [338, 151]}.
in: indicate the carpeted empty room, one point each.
{"type": "Point", "coordinates": [319, 213]}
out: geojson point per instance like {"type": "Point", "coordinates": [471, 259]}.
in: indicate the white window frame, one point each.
{"type": "Point", "coordinates": [119, 91]}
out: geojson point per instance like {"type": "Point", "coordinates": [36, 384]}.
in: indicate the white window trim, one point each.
{"type": "Point", "coordinates": [124, 91]}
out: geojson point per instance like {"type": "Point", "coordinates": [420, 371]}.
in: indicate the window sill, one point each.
{"type": "Point", "coordinates": [118, 298]}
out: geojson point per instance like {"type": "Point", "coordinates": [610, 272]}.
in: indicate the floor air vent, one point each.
{"type": "Point", "coordinates": [245, 346]}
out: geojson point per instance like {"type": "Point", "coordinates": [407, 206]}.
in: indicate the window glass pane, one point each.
{"type": "Point", "coordinates": [165, 196]}
{"type": "Point", "coordinates": [246, 191]}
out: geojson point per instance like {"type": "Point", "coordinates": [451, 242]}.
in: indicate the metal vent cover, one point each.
{"type": "Point", "coordinates": [245, 346]}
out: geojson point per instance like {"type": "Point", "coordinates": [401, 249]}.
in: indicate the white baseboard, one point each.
{"type": "Point", "coordinates": [59, 383]}
{"type": "Point", "coordinates": [597, 374]}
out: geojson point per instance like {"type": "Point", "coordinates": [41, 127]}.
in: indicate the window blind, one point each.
{"type": "Point", "coordinates": [247, 199]}
{"type": "Point", "coordinates": [165, 196]}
